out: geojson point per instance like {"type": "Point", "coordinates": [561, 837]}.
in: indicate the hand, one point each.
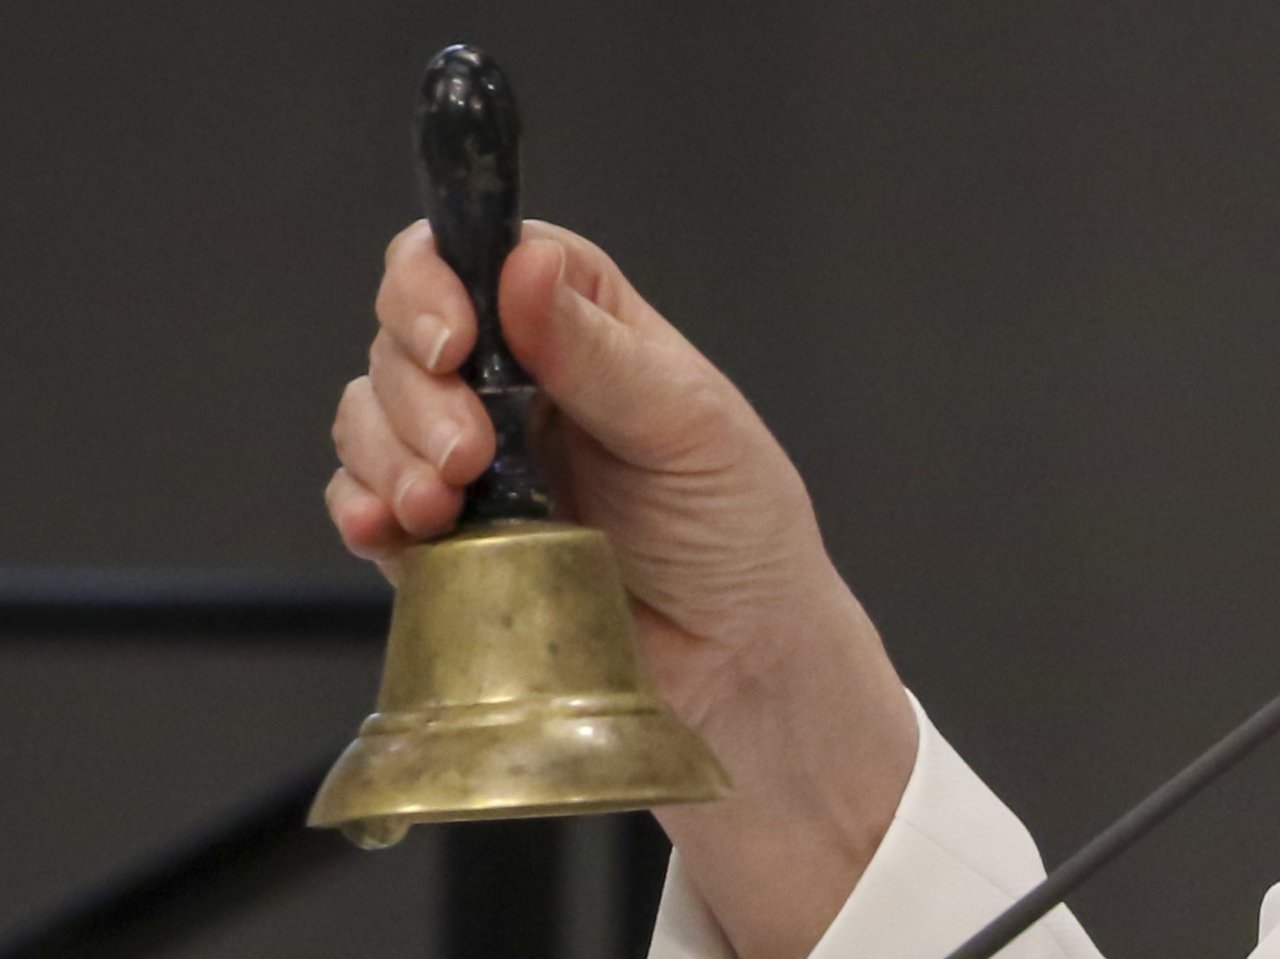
{"type": "Point", "coordinates": [752, 637]}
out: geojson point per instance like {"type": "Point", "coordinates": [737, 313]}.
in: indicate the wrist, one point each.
{"type": "Point", "coordinates": [819, 738]}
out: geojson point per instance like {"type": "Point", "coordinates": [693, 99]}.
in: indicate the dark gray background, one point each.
{"type": "Point", "coordinates": [1002, 276]}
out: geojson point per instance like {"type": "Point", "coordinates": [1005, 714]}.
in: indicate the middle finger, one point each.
{"type": "Point", "coordinates": [438, 417]}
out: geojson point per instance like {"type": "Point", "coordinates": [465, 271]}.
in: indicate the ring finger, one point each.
{"type": "Point", "coordinates": [423, 504]}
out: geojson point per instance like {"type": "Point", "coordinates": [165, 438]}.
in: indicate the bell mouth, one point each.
{"type": "Point", "coordinates": [495, 761]}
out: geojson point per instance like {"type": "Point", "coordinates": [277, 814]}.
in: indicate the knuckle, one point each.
{"type": "Point", "coordinates": [415, 233]}
{"type": "Point", "coordinates": [385, 299]}
{"type": "Point", "coordinates": [343, 517]}
{"type": "Point", "coordinates": [392, 250]}
{"type": "Point", "coordinates": [353, 537]}
{"type": "Point", "coordinates": [351, 397]}
{"type": "Point", "coordinates": [706, 415]}
{"type": "Point", "coordinates": [358, 527]}
{"type": "Point", "coordinates": [385, 380]}
{"type": "Point", "coordinates": [699, 399]}
{"type": "Point", "coordinates": [376, 357]}
{"type": "Point", "coordinates": [338, 434]}
{"type": "Point", "coordinates": [331, 494]}
{"type": "Point", "coordinates": [354, 391]}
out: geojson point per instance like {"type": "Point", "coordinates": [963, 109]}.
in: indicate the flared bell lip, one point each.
{"type": "Point", "coordinates": [544, 765]}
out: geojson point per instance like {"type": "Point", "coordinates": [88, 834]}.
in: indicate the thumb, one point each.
{"type": "Point", "coordinates": [637, 393]}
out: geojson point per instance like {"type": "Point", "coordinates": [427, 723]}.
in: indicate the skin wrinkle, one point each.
{"type": "Point", "coordinates": [728, 578]}
{"type": "Point", "coordinates": [605, 286]}
{"type": "Point", "coordinates": [700, 698]}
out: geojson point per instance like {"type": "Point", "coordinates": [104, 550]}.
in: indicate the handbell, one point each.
{"type": "Point", "coordinates": [512, 685]}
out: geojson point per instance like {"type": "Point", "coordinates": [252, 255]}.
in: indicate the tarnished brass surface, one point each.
{"type": "Point", "coordinates": [512, 688]}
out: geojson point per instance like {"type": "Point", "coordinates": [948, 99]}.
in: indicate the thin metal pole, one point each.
{"type": "Point", "coordinates": [1123, 833]}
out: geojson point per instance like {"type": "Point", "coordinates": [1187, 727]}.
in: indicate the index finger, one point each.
{"type": "Point", "coordinates": [423, 305]}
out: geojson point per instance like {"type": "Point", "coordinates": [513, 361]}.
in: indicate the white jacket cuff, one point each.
{"type": "Point", "coordinates": [953, 858]}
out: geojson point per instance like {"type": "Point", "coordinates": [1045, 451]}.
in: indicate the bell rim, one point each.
{"type": "Point", "coordinates": [641, 760]}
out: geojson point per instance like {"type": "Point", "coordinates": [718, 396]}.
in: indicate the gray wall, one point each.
{"type": "Point", "coordinates": [1003, 277]}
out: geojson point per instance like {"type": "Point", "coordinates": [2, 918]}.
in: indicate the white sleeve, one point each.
{"type": "Point", "coordinates": [1269, 927]}
{"type": "Point", "coordinates": [953, 858]}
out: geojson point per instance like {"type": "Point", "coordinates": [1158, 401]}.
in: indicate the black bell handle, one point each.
{"type": "Point", "coordinates": [467, 145]}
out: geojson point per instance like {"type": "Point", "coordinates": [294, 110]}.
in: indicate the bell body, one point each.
{"type": "Point", "coordinates": [512, 688]}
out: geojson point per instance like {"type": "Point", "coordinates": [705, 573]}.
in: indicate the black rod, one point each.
{"type": "Point", "coordinates": [1123, 833]}
{"type": "Point", "coordinates": [467, 156]}
{"type": "Point", "coordinates": [182, 604]}
{"type": "Point", "coordinates": [501, 899]}
{"type": "Point", "coordinates": [232, 866]}
{"type": "Point", "coordinates": [647, 855]}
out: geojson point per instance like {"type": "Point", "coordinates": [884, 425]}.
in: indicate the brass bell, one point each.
{"type": "Point", "coordinates": [512, 685]}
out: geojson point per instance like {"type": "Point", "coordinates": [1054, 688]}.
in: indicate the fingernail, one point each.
{"type": "Point", "coordinates": [560, 258]}
{"type": "Point", "coordinates": [406, 489]}
{"type": "Point", "coordinates": [560, 268]}
{"type": "Point", "coordinates": [442, 440]}
{"type": "Point", "coordinates": [430, 334]}
{"type": "Point", "coordinates": [560, 255]}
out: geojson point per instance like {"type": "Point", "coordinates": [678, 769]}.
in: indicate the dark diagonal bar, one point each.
{"type": "Point", "coordinates": [214, 874]}
{"type": "Point", "coordinates": [191, 604]}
